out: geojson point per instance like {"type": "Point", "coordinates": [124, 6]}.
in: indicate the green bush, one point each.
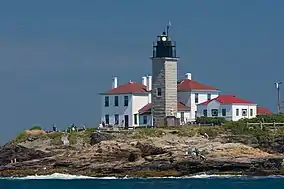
{"type": "Point", "coordinates": [210, 120]}
{"type": "Point", "coordinates": [241, 128]}
{"type": "Point", "coordinates": [278, 118]}
{"type": "Point", "coordinates": [36, 127]}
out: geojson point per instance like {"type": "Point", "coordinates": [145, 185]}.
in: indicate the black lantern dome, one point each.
{"type": "Point", "coordinates": [164, 47]}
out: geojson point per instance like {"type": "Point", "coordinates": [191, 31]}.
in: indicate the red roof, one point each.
{"type": "Point", "coordinates": [148, 107]}
{"type": "Point", "coordinates": [263, 111]}
{"type": "Point", "coordinates": [228, 99]}
{"type": "Point", "coordinates": [188, 85]}
{"type": "Point", "coordinates": [130, 87]}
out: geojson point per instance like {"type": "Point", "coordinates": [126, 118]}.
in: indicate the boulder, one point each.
{"type": "Point", "coordinates": [34, 132]}
{"type": "Point", "coordinates": [97, 137]}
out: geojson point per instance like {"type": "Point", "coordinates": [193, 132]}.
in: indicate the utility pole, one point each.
{"type": "Point", "coordinates": [277, 84]}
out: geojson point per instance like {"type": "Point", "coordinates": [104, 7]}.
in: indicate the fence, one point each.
{"type": "Point", "coordinates": [273, 125]}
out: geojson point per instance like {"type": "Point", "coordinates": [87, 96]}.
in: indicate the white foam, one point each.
{"type": "Point", "coordinates": [59, 176]}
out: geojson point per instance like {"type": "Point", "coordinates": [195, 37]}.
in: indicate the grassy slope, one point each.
{"type": "Point", "coordinates": [230, 128]}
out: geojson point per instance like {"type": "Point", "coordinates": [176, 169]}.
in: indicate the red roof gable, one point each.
{"type": "Point", "coordinates": [148, 107]}
{"type": "Point", "coordinates": [130, 87]}
{"type": "Point", "coordinates": [188, 85]}
{"type": "Point", "coordinates": [228, 99]}
{"type": "Point", "coordinates": [263, 111]}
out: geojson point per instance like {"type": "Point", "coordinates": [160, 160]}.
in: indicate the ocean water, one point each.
{"type": "Point", "coordinates": [58, 181]}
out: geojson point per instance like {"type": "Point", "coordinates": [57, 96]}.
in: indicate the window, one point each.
{"type": "Point", "coordinates": [251, 112]}
{"type": "Point", "coordinates": [224, 112]}
{"type": "Point", "coordinates": [106, 101]}
{"type": "Point", "coordinates": [244, 112]}
{"type": "Point", "coordinates": [205, 113]}
{"type": "Point", "coordinates": [116, 119]}
{"type": "Point", "coordinates": [208, 96]}
{"type": "Point", "coordinates": [125, 100]}
{"type": "Point", "coordinates": [115, 100]}
{"type": "Point", "coordinates": [196, 97]}
{"type": "Point", "coordinates": [145, 120]}
{"type": "Point", "coordinates": [237, 112]}
{"type": "Point", "coordinates": [107, 119]}
{"type": "Point", "coordinates": [214, 112]}
{"type": "Point", "coordinates": [135, 119]}
{"type": "Point", "coordinates": [159, 92]}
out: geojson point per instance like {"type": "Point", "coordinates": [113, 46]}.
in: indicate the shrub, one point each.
{"type": "Point", "coordinates": [210, 120]}
{"type": "Point", "coordinates": [36, 127]}
{"type": "Point", "coordinates": [266, 118]}
{"type": "Point", "coordinates": [241, 128]}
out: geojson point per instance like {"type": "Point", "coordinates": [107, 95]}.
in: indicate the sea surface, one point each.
{"type": "Point", "coordinates": [58, 181]}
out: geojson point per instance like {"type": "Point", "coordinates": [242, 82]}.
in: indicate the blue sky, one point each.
{"type": "Point", "coordinates": [56, 56]}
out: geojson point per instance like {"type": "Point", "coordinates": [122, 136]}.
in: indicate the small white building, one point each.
{"type": "Point", "coordinates": [229, 107]}
{"type": "Point", "coordinates": [121, 104]}
{"type": "Point", "coordinates": [191, 93]}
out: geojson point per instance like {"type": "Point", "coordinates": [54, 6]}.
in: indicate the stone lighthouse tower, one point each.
{"type": "Point", "coordinates": [164, 80]}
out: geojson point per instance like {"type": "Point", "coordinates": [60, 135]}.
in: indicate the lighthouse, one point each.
{"type": "Point", "coordinates": [164, 81]}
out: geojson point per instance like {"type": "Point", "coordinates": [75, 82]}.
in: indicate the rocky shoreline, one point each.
{"type": "Point", "coordinates": [120, 155]}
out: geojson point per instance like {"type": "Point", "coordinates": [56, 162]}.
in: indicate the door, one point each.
{"type": "Point", "coordinates": [126, 121]}
{"type": "Point", "coordinates": [182, 117]}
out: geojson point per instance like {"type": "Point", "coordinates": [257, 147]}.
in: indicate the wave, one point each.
{"type": "Point", "coordinates": [56, 176]}
{"type": "Point", "coordinates": [59, 176]}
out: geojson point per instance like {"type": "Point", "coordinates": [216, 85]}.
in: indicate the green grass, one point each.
{"type": "Point", "coordinates": [20, 138]}
{"type": "Point", "coordinates": [189, 131]}
{"type": "Point", "coordinates": [55, 137]}
{"type": "Point", "coordinates": [148, 132]}
{"type": "Point", "coordinates": [85, 135]}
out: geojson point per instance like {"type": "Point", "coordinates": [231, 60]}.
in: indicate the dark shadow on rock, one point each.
{"type": "Point", "coordinates": [148, 149]}
{"type": "Point", "coordinates": [133, 157]}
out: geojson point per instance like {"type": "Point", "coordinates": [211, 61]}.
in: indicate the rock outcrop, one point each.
{"type": "Point", "coordinates": [12, 152]}
{"type": "Point", "coordinates": [121, 154]}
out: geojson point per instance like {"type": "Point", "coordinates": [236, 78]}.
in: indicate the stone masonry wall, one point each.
{"type": "Point", "coordinates": [164, 76]}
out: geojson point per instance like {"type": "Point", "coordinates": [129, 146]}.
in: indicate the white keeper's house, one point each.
{"type": "Point", "coordinates": [161, 96]}
{"type": "Point", "coordinates": [230, 107]}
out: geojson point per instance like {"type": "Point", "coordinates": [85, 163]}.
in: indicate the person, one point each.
{"type": "Point", "coordinates": [197, 152]}
{"type": "Point", "coordinates": [191, 151]}
{"type": "Point", "coordinates": [54, 128]}
{"type": "Point", "coordinates": [100, 126]}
